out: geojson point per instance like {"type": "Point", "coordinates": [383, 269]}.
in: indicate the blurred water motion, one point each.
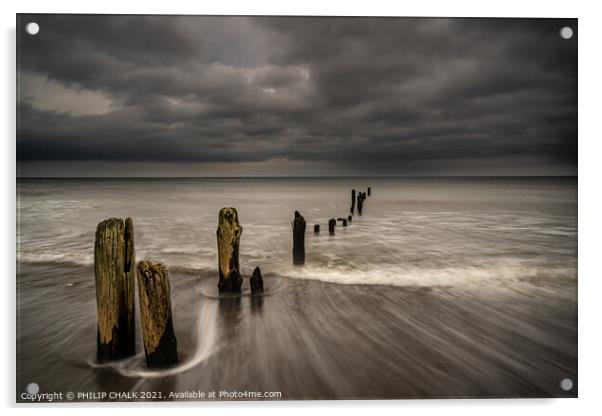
{"type": "Point", "coordinates": [459, 287]}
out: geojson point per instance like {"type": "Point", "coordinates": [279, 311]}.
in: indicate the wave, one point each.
{"type": "Point", "coordinates": [402, 276]}
{"type": "Point", "coordinates": [181, 250]}
{"type": "Point", "coordinates": [333, 270]}
{"type": "Point", "coordinates": [57, 258]}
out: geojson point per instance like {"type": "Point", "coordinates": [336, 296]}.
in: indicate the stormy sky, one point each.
{"type": "Point", "coordinates": [295, 96]}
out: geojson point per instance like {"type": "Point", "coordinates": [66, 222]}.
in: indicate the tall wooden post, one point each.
{"type": "Point", "coordinates": [228, 240]}
{"type": "Point", "coordinates": [353, 201]}
{"type": "Point", "coordinates": [331, 224]}
{"type": "Point", "coordinates": [114, 260]}
{"type": "Point", "coordinates": [369, 190]}
{"type": "Point", "coordinates": [160, 345]}
{"type": "Point", "coordinates": [298, 239]}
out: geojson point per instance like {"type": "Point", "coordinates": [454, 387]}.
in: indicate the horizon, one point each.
{"type": "Point", "coordinates": [299, 177]}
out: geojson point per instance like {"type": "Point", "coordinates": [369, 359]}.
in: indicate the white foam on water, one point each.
{"type": "Point", "coordinates": [403, 275]}
{"type": "Point", "coordinates": [61, 258]}
{"type": "Point", "coordinates": [207, 345]}
{"type": "Point", "coordinates": [181, 250]}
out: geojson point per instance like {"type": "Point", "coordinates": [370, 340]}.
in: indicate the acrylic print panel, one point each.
{"type": "Point", "coordinates": [274, 208]}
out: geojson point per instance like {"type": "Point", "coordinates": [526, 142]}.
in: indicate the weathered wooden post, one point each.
{"type": "Point", "coordinates": [369, 191]}
{"type": "Point", "coordinates": [344, 222]}
{"type": "Point", "coordinates": [360, 203]}
{"type": "Point", "coordinates": [349, 218]}
{"type": "Point", "coordinates": [353, 201]}
{"type": "Point", "coordinates": [228, 240]}
{"type": "Point", "coordinates": [114, 261]}
{"type": "Point", "coordinates": [298, 239]}
{"type": "Point", "coordinates": [256, 281]}
{"type": "Point", "coordinates": [317, 229]}
{"type": "Point", "coordinates": [160, 345]}
{"type": "Point", "coordinates": [331, 224]}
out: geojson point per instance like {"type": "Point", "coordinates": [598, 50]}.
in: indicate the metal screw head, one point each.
{"type": "Point", "coordinates": [32, 388]}
{"type": "Point", "coordinates": [566, 32]}
{"type": "Point", "coordinates": [32, 28]}
{"type": "Point", "coordinates": [566, 384]}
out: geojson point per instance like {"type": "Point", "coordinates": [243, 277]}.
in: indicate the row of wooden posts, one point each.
{"type": "Point", "coordinates": [115, 268]}
{"type": "Point", "coordinates": [299, 225]}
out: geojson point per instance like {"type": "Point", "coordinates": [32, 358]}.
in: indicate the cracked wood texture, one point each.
{"type": "Point", "coordinates": [114, 256]}
{"type": "Point", "coordinates": [229, 231]}
{"type": "Point", "coordinates": [160, 345]}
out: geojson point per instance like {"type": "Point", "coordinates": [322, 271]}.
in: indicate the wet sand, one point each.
{"type": "Point", "coordinates": [313, 340]}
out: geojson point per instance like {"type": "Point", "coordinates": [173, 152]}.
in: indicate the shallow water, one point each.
{"type": "Point", "coordinates": [443, 288]}
{"type": "Point", "coordinates": [413, 231]}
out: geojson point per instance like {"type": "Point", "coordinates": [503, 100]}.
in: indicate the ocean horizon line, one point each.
{"type": "Point", "coordinates": [304, 177]}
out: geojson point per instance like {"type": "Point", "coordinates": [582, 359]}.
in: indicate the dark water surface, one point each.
{"type": "Point", "coordinates": [443, 288]}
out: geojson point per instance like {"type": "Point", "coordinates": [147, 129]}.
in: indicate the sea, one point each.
{"type": "Point", "coordinates": [442, 288]}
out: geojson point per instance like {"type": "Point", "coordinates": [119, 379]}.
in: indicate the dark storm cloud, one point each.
{"type": "Point", "coordinates": [382, 91]}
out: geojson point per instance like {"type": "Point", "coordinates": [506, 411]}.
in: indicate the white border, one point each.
{"type": "Point", "coordinates": [590, 189]}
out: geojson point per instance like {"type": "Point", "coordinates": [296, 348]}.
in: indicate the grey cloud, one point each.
{"type": "Point", "coordinates": [381, 91]}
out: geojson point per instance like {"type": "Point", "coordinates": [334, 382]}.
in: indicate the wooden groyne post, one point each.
{"type": "Point", "coordinates": [298, 239]}
{"type": "Point", "coordinates": [160, 345]}
{"type": "Point", "coordinates": [229, 231]}
{"type": "Point", "coordinates": [353, 201]}
{"type": "Point", "coordinates": [256, 281]}
{"type": "Point", "coordinates": [114, 263]}
{"type": "Point", "coordinates": [369, 191]}
{"type": "Point", "coordinates": [350, 218]}
{"type": "Point", "coordinates": [331, 224]}
{"type": "Point", "coordinates": [317, 229]}
{"type": "Point", "coordinates": [360, 202]}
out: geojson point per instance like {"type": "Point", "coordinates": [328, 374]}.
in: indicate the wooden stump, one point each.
{"type": "Point", "coordinates": [331, 224]}
{"type": "Point", "coordinates": [228, 240]}
{"type": "Point", "coordinates": [160, 345]}
{"type": "Point", "coordinates": [114, 258]}
{"type": "Point", "coordinates": [298, 239]}
{"type": "Point", "coordinates": [349, 218]}
{"type": "Point", "coordinates": [360, 203]}
{"type": "Point", "coordinates": [317, 229]}
{"type": "Point", "coordinates": [353, 201]}
{"type": "Point", "coordinates": [256, 281]}
{"type": "Point", "coordinates": [369, 191]}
